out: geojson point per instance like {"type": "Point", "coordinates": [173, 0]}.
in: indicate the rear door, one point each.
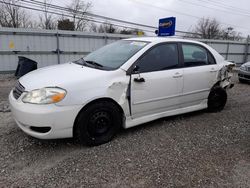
{"type": "Point", "coordinates": [199, 74]}
{"type": "Point", "coordinates": [156, 85]}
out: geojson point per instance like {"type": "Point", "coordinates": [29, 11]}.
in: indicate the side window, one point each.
{"type": "Point", "coordinates": [195, 55]}
{"type": "Point", "coordinates": [159, 58]}
{"type": "Point", "coordinates": [211, 59]}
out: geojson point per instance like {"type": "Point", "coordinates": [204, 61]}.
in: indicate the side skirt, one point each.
{"type": "Point", "coordinates": [137, 121]}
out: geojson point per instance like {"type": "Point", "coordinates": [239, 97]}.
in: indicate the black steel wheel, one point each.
{"type": "Point", "coordinates": [98, 123]}
{"type": "Point", "coordinates": [217, 99]}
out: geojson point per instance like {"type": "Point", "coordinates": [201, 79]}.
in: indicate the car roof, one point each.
{"type": "Point", "coordinates": [157, 40]}
{"type": "Point", "coordinates": [162, 39]}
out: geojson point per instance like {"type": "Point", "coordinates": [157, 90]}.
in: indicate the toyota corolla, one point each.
{"type": "Point", "coordinates": [123, 84]}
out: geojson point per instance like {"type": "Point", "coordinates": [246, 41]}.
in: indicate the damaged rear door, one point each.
{"type": "Point", "coordinates": [157, 81]}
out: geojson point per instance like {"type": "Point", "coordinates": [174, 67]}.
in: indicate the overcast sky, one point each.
{"type": "Point", "coordinates": [187, 12]}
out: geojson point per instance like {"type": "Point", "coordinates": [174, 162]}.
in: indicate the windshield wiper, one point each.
{"type": "Point", "coordinates": [94, 63]}
{"type": "Point", "coordinates": [80, 61]}
{"type": "Point", "coordinates": [83, 62]}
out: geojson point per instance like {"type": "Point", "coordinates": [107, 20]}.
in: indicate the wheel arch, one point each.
{"type": "Point", "coordinates": [104, 99]}
{"type": "Point", "coordinates": [217, 84]}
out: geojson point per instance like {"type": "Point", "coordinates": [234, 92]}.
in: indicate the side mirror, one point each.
{"type": "Point", "coordinates": [136, 71]}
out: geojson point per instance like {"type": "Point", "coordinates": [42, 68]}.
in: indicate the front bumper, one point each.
{"type": "Point", "coordinates": [245, 75]}
{"type": "Point", "coordinates": [44, 121]}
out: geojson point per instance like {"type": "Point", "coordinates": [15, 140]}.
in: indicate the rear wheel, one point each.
{"type": "Point", "coordinates": [217, 99]}
{"type": "Point", "coordinates": [98, 123]}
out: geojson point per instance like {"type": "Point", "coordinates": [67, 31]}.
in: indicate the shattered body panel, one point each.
{"type": "Point", "coordinates": [225, 74]}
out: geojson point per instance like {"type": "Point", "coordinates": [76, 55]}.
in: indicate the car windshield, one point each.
{"type": "Point", "coordinates": [112, 56]}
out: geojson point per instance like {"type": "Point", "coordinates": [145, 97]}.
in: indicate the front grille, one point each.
{"type": "Point", "coordinates": [247, 76]}
{"type": "Point", "coordinates": [248, 69]}
{"type": "Point", "coordinates": [18, 90]}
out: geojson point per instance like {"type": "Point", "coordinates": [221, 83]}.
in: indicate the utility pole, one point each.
{"type": "Point", "coordinates": [245, 59]}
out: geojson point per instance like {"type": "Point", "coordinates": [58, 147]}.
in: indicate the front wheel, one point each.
{"type": "Point", "coordinates": [98, 123]}
{"type": "Point", "coordinates": [217, 99]}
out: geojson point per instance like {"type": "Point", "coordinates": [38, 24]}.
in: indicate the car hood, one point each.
{"type": "Point", "coordinates": [64, 75]}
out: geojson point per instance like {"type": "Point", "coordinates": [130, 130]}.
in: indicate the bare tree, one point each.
{"type": "Point", "coordinates": [107, 28]}
{"type": "Point", "coordinates": [207, 28]}
{"type": "Point", "coordinates": [13, 16]}
{"type": "Point", "coordinates": [47, 21]}
{"type": "Point", "coordinates": [230, 34]}
{"type": "Point", "coordinates": [78, 10]}
{"type": "Point", "coordinates": [93, 27]}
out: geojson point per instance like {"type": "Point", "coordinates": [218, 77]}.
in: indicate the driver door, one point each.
{"type": "Point", "coordinates": [156, 85]}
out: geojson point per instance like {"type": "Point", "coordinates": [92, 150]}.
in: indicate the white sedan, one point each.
{"type": "Point", "coordinates": [244, 72]}
{"type": "Point", "coordinates": [123, 84]}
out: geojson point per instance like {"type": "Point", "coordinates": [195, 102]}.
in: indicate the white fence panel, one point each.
{"type": "Point", "coordinates": [49, 47]}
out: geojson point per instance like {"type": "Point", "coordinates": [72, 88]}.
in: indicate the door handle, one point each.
{"type": "Point", "coordinates": [177, 75]}
{"type": "Point", "coordinates": [139, 79]}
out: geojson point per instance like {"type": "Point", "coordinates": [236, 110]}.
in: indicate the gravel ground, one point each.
{"type": "Point", "coordinates": [198, 149]}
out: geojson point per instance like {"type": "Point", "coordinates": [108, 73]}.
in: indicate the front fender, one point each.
{"type": "Point", "coordinates": [115, 89]}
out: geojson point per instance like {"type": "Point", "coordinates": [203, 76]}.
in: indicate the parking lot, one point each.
{"type": "Point", "coordinates": [191, 150]}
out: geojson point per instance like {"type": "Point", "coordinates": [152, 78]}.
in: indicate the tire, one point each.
{"type": "Point", "coordinates": [98, 123]}
{"type": "Point", "coordinates": [217, 99]}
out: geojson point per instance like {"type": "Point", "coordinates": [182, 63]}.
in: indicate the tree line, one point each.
{"type": "Point", "coordinates": [210, 28]}
{"type": "Point", "coordinates": [12, 14]}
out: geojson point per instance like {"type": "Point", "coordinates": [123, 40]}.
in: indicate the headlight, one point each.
{"type": "Point", "coordinates": [46, 95]}
{"type": "Point", "coordinates": [243, 67]}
